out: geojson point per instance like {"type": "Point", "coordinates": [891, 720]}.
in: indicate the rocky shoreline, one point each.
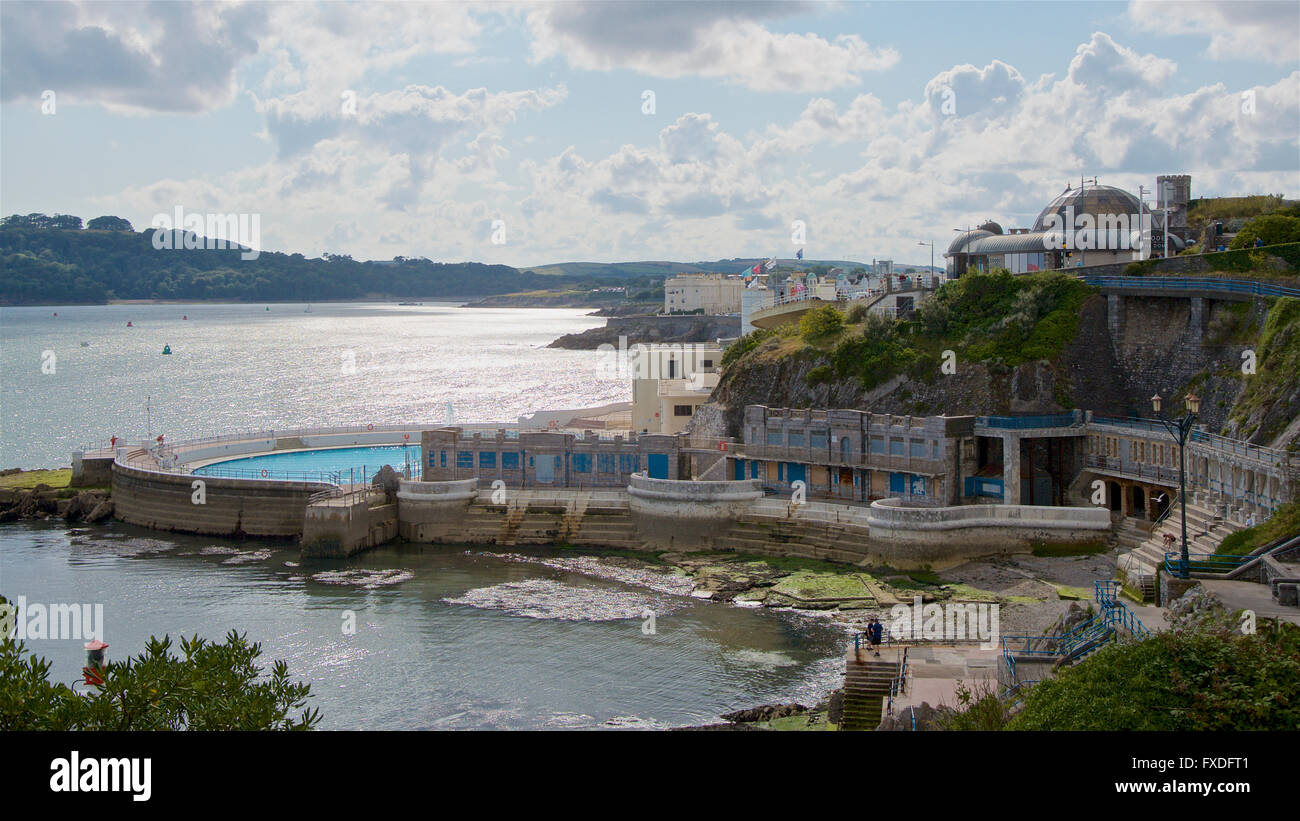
{"type": "Point", "coordinates": [45, 502]}
{"type": "Point", "coordinates": [655, 329]}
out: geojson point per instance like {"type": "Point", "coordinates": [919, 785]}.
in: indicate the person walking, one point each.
{"type": "Point", "coordinates": [874, 634]}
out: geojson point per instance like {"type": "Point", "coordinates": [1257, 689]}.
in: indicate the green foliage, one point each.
{"type": "Point", "coordinates": [1181, 680]}
{"type": "Point", "coordinates": [978, 708]}
{"type": "Point", "coordinates": [1204, 211]}
{"type": "Point", "coordinates": [819, 375]}
{"type": "Point", "coordinates": [821, 324]}
{"type": "Point", "coordinates": [109, 224]}
{"type": "Point", "coordinates": [49, 260]}
{"type": "Point", "coordinates": [1277, 363]}
{"type": "Point", "coordinates": [744, 345]}
{"type": "Point", "coordinates": [1255, 260]}
{"type": "Point", "coordinates": [1284, 522]}
{"type": "Point", "coordinates": [997, 318]}
{"type": "Point", "coordinates": [1273, 229]}
{"type": "Point", "coordinates": [210, 686]}
{"type": "Point", "coordinates": [856, 314]}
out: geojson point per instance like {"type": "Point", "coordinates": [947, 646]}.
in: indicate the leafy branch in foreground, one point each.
{"type": "Point", "coordinates": [208, 686]}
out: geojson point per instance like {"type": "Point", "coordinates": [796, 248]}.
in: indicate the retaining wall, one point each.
{"type": "Point", "coordinates": [339, 531]}
{"type": "Point", "coordinates": [232, 507]}
{"type": "Point", "coordinates": [688, 515]}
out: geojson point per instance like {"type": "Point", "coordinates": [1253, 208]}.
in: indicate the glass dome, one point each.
{"type": "Point", "coordinates": [1092, 199]}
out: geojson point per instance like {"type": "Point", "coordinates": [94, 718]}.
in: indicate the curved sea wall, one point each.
{"type": "Point", "coordinates": [688, 515]}
{"type": "Point", "coordinates": [1000, 528]}
{"type": "Point", "coordinates": [433, 511]}
{"type": "Point", "coordinates": [230, 507]}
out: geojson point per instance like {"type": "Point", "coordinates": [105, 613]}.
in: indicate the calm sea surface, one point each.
{"type": "Point", "coordinates": [241, 367]}
{"type": "Point", "coordinates": [445, 637]}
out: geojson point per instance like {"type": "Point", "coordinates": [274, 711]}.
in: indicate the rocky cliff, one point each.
{"type": "Point", "coordinates": [1109, 367]}
{"type": "Point", "coordinates": [653, 330]}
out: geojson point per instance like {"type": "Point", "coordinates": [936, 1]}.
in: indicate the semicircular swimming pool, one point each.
{"type": "Point", "coordinates": [346, 465]}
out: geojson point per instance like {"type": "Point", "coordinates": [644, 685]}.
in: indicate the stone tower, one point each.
{"type": "Point", "coordinates": [1177, 196]}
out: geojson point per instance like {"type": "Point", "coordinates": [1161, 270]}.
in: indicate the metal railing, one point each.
{"type": "Point", "coordinates": [1234, 286]}
{"type": "Point", "coordinates": [1204, 562]}
{"type": "Point", "coordinates": [1056, 420]}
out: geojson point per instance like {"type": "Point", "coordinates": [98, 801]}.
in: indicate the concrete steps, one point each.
{"type": "Point", "coordinates": [866, 689]}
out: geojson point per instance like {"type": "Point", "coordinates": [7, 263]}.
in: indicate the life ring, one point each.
{"type": "Point", "coordinates": [370, 427]}
{"type": "Point", "coordinates": [406, 437]}
{"type": "Point", "coordinates": [264, 473]}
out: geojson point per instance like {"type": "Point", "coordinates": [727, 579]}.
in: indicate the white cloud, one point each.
{"type": "Point", "coordinates": [713, 40]}
{"type": "Point", "coordinates": [1237, 30]}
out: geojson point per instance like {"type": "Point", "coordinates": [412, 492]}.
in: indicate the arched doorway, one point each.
{"type": "Point", "coordinates": [1113, 493]}
{"type": "Point", "coordinates": [1138, 508]}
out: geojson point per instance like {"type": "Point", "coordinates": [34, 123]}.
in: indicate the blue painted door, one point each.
{"type": "Point", "coordinates": [796, 473]}
{"type": "Point", "coordinates": [738, 469]}
{"type": "Point", "coordinates": [658, 465]}
{"type": "Point", "coordinates": [897, 483]}
{"type": "Point", "coordinates": [546, 468]}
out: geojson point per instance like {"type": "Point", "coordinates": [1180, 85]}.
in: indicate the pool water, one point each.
{"type": "Point", "coordinates": [351, 464]}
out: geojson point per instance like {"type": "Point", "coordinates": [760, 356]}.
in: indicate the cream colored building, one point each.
{"type": "Point", "coordinates": [669, 382]}
{"type": "Point", "coordinates": [712, 293]}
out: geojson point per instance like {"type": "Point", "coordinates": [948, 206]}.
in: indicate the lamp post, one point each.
{"type": "Point", "coordinates": [1181, 430]}
{"type": "Point", "coordinates": [931, 244]}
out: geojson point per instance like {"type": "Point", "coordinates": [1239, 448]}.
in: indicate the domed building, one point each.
{"type": "Point", "coordinates": [1089, 225]}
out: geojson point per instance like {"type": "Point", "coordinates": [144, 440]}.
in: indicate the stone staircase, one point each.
{"type": "Point", "coordinates": [867, 680]}
{"type": "Point", "coordinates": [1142, 552]}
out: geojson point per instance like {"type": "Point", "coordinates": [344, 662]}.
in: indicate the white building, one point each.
{"type": "Point", "coordinates": [669, 382]}
{"type": "Point", "coordinates": [710, 293]}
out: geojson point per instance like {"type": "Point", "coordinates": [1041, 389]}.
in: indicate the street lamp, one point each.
{"type": "Point", "coordinates": [931, 244]}
{"type": "Point", "coordinates": [1181, 430]}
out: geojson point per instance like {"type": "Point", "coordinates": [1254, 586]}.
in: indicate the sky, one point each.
{"type": "Point", "coordinates": [533, 133]}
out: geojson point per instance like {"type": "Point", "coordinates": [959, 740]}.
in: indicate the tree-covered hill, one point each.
{"type": "Point", "coordinates": [53, 260]}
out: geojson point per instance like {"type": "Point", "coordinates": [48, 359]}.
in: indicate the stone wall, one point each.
{"type": "Point", "coordinates": [339, 531]}
{"type": "Point", "coordinates": [232, 507]}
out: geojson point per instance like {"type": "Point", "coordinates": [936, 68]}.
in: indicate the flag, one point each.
{"type": "Point", "coordinates": [799, 254]}
{"type": "Point", "coordinates": [757, 269]}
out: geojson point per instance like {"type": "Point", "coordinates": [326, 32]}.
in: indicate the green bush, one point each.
{"type": "Point", "coordinates": [821, 324]}
{"type": "Point", "coordinates": [1179, 680]}
{"type": "Point", "coordinates": [1273, 229]}
{"type": "Point", "coordinates": [744, 345]}
{"type": "Point", "coordinates": [820, 374]}
{"type": "Point", "coordinates": [1284, 522]}
{"type": "Point", "coordinates": [210, 686]}
{"type": "Point", "coordinates": [856, 314]}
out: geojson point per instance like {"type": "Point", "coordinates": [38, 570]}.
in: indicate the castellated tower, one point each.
{"type": "Point", "coordinates": [1177, 196]}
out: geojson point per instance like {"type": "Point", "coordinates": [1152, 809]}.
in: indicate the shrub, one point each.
{"type": "Point", "coordinates": [856, 314]}
{"type": "Point", "coordinates": [1273, 229]}
{"type": "Point", "coordinates": [820, 374]}
{"type": "Point", "coordinates": [821, 323]}
{"type": "Point", "coordinates": [744, 345]}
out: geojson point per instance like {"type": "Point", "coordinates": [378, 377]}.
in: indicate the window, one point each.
{"type": "Point", "coordinates": [433, 459]}
{"type": "Point", "coordinates": [708, 363]}
{"type": "Point", "coordinates": [916, 448]}
{"type": "Point", "coordinates": [682, 410]}
{"type": "Point", "coordinates": [444, 457]}
{"type": "Point", "coordinates": [817, 438]}
{"type": "Point", "coordinates": [796, 439]}
{"type": "Point", "coordinates": [510, 461]}
{"type": "Point", "coordinates": [487, 459]}
{"type": "Point", "coordinates": [605, 462]}
{"type": "Point", "coordinates": [465, 459]}
{"type": "Point", "coordinates": [582, 462]}
{"type": "Point", "coordinates": [629, 463]}
{"type": "Point", "coordinates": [896, 447]}
{"type": "Point", "coordinates": [774, 437]}
{"type": "Point", "coordinates": [878, 444]}
{"type": "Point", "coordinates": [934, 449]}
